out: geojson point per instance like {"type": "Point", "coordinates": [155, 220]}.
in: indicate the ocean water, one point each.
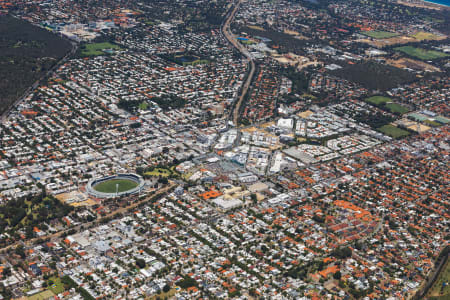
{"type": "Point", "coordinates": [443, 2]}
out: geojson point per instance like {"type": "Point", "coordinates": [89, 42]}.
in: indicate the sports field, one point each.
{"type": "Point", "coordinates": [97, 48]}
{"type": "Point", "coordinates": [396, 108]}
{"type": "Point", "coordinates": [421, 53]}
{"type": "Point", "coordinates": [377, 100]}
{"type": "Point", "coordinates": [393, 131]}
{"type": "Point", "coordinates": [109, 186]}
{"type": "Point", "coordinates": [377, 34]}
{"type": "Point", "coordinates": [386, 102]}
{"type": "Point", "coordinates": [42, 295]}
{"type": "Point", "coordinates": [422, 35]}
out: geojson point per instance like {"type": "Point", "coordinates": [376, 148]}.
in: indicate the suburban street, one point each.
{"type": "Point", "coordinates": [121, 210]}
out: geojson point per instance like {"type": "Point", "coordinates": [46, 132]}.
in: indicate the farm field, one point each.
{"type": "Point", "coordinates": [393, 131]}
{"type": "Point", "coordinates": [421, 53]}
{"type": "Point", "coordinates": [109, 186]}
{"type": "Point", "coordinates": [376, 34]}
{"type": "Point", "coordinates": [97, 48]}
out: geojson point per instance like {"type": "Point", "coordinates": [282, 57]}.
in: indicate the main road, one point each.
{"type": "Point", "coordinates": [230, 37]}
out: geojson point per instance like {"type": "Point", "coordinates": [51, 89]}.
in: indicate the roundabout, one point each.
{"type": "Point", "coordinates": [115, 185]}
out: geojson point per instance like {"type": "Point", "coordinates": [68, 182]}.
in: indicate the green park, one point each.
{"type": "Point", "coordinates": [421, 53]}
{"type": "Point", "coordinates": [96, 49]}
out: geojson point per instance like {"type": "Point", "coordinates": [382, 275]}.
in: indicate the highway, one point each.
{"type": "Point", "coordinates": [230, 37]}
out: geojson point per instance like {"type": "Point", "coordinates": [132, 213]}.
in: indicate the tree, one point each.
{"type": "Point", "coordinates": [136, 125]}
{"type": "Point", "coordinates": [337, 275]}
{"type": "Point", "coordinates": [140, 170]}
{"type": "Point", "coordinates": [163, 180]}
{"type": "Point", "coordinates": [6, 272]}
{"type": "Point", "coordinates": [140, 263]}
{"type": "Point", "coordinates": [166, 288]}
{"type": "Point", "coordinates": [20, 251]}
{"type": "Point", "coordinates": [342, 252]}
{"type": "Point", "coordinates": [187, 282]}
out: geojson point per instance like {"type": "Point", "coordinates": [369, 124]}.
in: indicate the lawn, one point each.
{"type": "Point", "coordinates": [159, 172]}
{"type": "Point", "coordinates": [57, 287]}
{"type": "Point", "coordinates": [396, 108]}
{"type": "Point", "coordinates": [376, 34]}
{"type": "Point", "coordinates": [248, 42]}
{"type": "Point", "coordinates": [256, 27]}
{"type": "Point", "coordinates": [163, 295]}
{"type": "Point", "coordinates": [143, 106]}
{"type": "Point", "coordinates": [97, 48]}
{"type": "Point", "coordinates": [109, 186]}
{"type": "Point", "coordinates": [441, 288]}
{"type": "Point", "coordinates": [377, 100]}
{"type": "Point", "coordinates": [187, 175]}
{"type": "Point", "coordinates": [196, 62]}
{"type": "Point", "coordinates": [381, 101]}
{"type": "Point", "coordinates": [42, 295]}
{"type": "Point", "coordinates": [421, 53]}
{"type": "Point", "coordinates": [432, 123]}
{"type": "Point", "coordinates": [422, 35]}
{"type": "Point", "coordinates": [309, 96]}
{"type": "Point", "coordinates": [393, 131]}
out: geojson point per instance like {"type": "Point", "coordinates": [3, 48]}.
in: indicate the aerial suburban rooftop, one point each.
{"type": "Point", "coordinates": [228, 149]}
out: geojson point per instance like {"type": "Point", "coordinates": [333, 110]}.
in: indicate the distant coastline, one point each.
{"type": "Point", "coordinates": [429, 4]}
{"type": "Point", "coordinates": [440, 2]}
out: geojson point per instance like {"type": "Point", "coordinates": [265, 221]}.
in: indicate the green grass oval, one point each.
{"type": "Point", "coordinates": [109, 186]}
